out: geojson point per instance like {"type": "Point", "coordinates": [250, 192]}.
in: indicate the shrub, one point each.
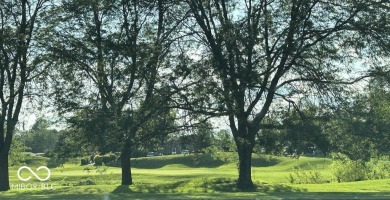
{"type": "Point", "coordinates": [85, 160]}
{"type": "Point", "coordinates": [65, 182]}
{"type": "Point", "coordinates": [86, 181]}
{"type": "Point", "coordinates": [101, 169]}
{"type": "Point", "coordinates": [347, 170]}
{"type": "Point", "coordinates": [311, 177]}
{"type": "Point", "coordinates": [109, 159]}
{"type": "Point", "coordinates": [306, 177]}
{"type": "Point", "coordinates": [378, 168]}
{"type": "Point", "coordinates": [87, 169]}
{"type": "Point", "coordinates": [83, 181]}
{"type": "Point", "coordinates": [98, 160]}
{"type": "Point", "coordinates": [55, 162]}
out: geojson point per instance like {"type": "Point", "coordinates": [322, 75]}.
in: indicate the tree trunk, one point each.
{"type": "Point", "coordinates": [244, 181]}
{"type": "Point", "coordinates": [4, 174]}
{"type": "Point", "coordinates": [126, 167]}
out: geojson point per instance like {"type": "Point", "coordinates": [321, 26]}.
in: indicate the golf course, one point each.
{"type": "Point", "coordinates": [179, 177]}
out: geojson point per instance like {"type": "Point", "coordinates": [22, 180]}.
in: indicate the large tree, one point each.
{"type": "Point", "coordinates": [112, 58]}
{"type": "Point", "coordinates": [19, 66]}
{"type": "Point", "coordinates": [40, 139]}
{"type": "Point", "coordinates": [252, 53]}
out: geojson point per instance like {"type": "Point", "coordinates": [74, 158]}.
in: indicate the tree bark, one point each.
{"type": "Point", "coordinates": [126, 167]}
{"type": "Point", "coordinates": [4, 173]}
{"type": "Point", "coordinates": [244, 181]}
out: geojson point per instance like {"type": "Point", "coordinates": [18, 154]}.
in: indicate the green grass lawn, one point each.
{"type": "Point", "coordinates": [177, 177]}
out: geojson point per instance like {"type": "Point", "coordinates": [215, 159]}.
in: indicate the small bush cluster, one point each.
{"type": "Point", "coordinates": [101, 169]}
{"type": "Point", "coordinates": [85, 160]}
{"type": "Point", "coordinates": [306, 177]}
{"type": "Point", "coordinates": [379, 168]}
{"type": "Point", "coordinates": [311, 177]}
{"type": "Point", "coordinates": [346, 170]}
{"type": "Point", "coordinates": [108, 159]}
{"type": "Point", "coordinates": [55, 162]}
{"type": "Point", "coordinates": [86, 181]}
{"type": "Point", "coordinates": [65, 182]}
{"type": "Point", "coordinates": [108, 180]}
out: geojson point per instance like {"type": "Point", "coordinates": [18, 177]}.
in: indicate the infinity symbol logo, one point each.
{"type": "Point", "coordinates": [29, 177]}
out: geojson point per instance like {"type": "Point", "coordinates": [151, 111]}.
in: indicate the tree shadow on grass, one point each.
{"type": "Point", "coordinates": [230, 185]}
{"type": "Point", "coordinates": [331, 195]}
{"type": "Point", "coordinates": [146, 188]}
{"type": "Point", "coordinates": [265, 191]}
{"type": "Point", "coordinates": [55, 193]}
{"type": "Point", "coordinates": [216, 188]}
{"type": "Point", "coordinates": [272, 188]}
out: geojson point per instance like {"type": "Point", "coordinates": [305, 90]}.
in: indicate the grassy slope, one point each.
{"type": "Point", "coordinates": [177, 177]}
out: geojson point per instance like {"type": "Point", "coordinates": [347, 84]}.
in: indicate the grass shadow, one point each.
{"type": "Point", "coordinates": [217, 188]}
{"type": "Point", "coordinates": [230, 185]}
{"type": "Point", "coordinates": [276, 188]}
{"type": "Point", "coordinates": [147, 188]}
{"type": "Point", "coordinates": [331, 195]}
{"type": "Point", "coordinates": [122, 189]}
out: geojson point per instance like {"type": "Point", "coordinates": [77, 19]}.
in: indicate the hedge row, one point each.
{"type": "Point", "coordinates": [108, 159]}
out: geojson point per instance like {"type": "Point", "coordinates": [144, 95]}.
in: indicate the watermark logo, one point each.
{"type": "Point", "coordinates": [32, 172]}
{"type": "Point", "coordinates": [30, 186]}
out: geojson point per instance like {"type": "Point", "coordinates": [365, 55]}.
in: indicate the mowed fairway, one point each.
{"type": "Point", "coordinates": [177, 177]}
